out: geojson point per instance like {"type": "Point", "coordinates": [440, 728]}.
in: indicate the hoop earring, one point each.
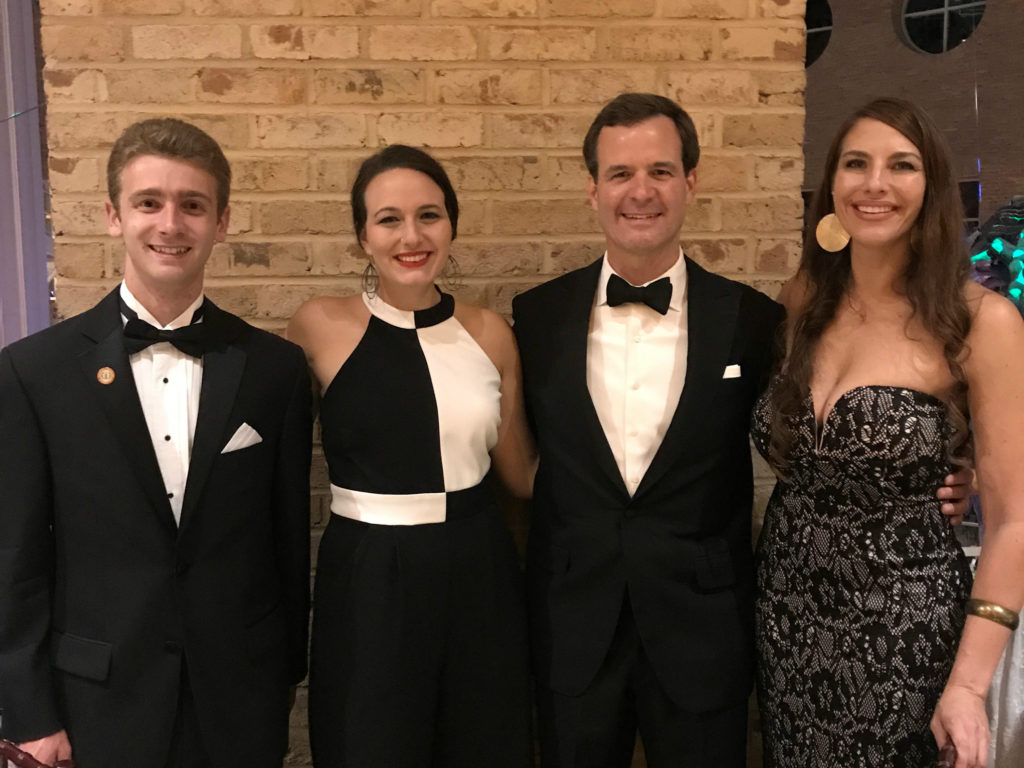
{"type": "Point", "coordinates": [370, 279]}
{"type": "Point", "coordinates": [831, 234]}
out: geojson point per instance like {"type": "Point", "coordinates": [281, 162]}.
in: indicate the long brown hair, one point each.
{"type": "Point", "coordinates": [933, 280]}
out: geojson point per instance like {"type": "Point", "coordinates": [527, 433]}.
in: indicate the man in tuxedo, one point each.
{"type": "Point", "coordinates": [154, 461]}
{"type": "Point", "coordinates": [640, 373]}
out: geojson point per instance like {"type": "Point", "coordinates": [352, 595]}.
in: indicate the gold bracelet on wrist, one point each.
{"type": "Point", "coordinates": [993, 612]}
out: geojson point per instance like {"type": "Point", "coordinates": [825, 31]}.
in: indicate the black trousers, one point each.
{"type": "Point", "coordinates": [186, 749]}
{"type": "Point", "coordinates": [598, 728]}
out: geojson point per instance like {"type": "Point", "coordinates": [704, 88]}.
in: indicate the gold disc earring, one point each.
{"type": "Point", "coordinates": [831, 234]}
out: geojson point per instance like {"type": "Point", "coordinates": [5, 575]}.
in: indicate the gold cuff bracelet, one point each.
{"type": "Point", "coordinates": [993, 612]}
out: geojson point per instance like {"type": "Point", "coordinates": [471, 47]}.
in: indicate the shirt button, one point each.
{"type": "Point", "coordinates": [170, 494]}
{"type": "Point", "coordinates": [165, 380]}
{"type": "Point", "coordinates": [167, 437]}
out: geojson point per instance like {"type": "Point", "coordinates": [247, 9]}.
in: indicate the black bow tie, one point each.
{"type": "Point", "coordinates": [656, 295]}
{"type": "Point", "coordinates": [138, 334]}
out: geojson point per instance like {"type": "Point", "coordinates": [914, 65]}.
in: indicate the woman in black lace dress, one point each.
{"type": "Point", "coordinates": [870, 652]}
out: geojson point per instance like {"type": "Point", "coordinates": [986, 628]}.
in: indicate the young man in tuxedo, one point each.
{"type": "Point", "coordinates": [640, 372]}
{"type": "Point", "coordinates": [154, 544]}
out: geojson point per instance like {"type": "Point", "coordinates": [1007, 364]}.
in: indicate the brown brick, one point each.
{"type": "Point", "coordinates": [78, 217]}
{"type": "Point", "coordinates": [705, 9]}
{"type": "Point", "coordinates": [764, 214]}
{"type": "Point", "coordinates": [141, 7]}
{"type": "Point", "coordinates": [604, 8]}
{"type": "Point", "coordinates": [219, 263]}
{"type": "Point", "coordinates": [69, 86]}
{"type": "Point", "coordinates": [230, 131]}
{"type": "Point", "coordinates": [717, 255]}
{"type": "Point", "coordinates": [545, 129]}
{"type": "Point", "coordinates": [706, 87]}
{"type": "Point", "coordinates": [75, 174]}
{"type": "Point", "coordinates": [73, 299]}
{"type": "Point", "coordinates": [488, 86]}
{"type": "Point", "coordinates": [84, 130]}
{"type": "Point", "coordinates": [724, 173]}
{"type": "Point", "coordinates": [335, 173]}
{"type": "Point", "coordinates": [79, 261]}
{"type": "Point", "coordinates": [398, 42]}
{"type": "Point", "coordinates": [304, 41]}
{"type": "Point", "coordinates": [275, 173]}
{"type": "Point", "coordinates": [167, 41]}
{"type": "Point", "coordinates": [83, 43]}
{"type": "Point", "coordinates": [316, 130]}
{"type": "Point", "coordinates": [66, 7]}
{"type": "Point", "coordinates": [500, 259]}
{"type": "Point", "coordinates": [781, 173]}
{"type": "Point", "coordinates": [703, 214]}
{"type": "Point", "coordinates": [360, 8]}
{"type": "Point", "coordinates": [776, 255]}
{"type": "Point", "coordinates": [658, 43]}
{"type": "Point", "coordinates": [477, 174]}
{"type": "Point", "coordinates": [763, 130]}
{"type": "Point", "coordinates": [314, 217]}
{"type": "Point", "coordinates": [282, 301]}
{"type": "Point", "coordinates": [781, 89]}
{"type": "Point", "coordinates": [377, 86]}
{"type": "Point", "coordinates": [277, 259]}
{"type": "Point", "coordinates": [544, 217]}
{"type": "Point", "coordinates": [781, 9]}
{"type": "Point", "coordinates": [137, 85]}
{"type": "Point", "coordinates": [482, 9]}
{"type": "Point", "coordinates": [472, 216]}
{"type": "Point", "coordinates": [234, 298]}
{"type": "Point", "coordinates": [568, 173]}
{"type": "Point", "coordinates": [337, 257]}
{"type": "Point", "coordinates": [241, 217]}
{"type": "Point", "coordinates": [252, 86]}
{"type": "Point", "coordinates": [596, 86]}
{"type": "Point", "coordinates": [776, 44]}
{"type": "Point", "coordinates": [248, 8]}
{"type": "Point", "coordinates": [542, 43]}
{"type": "Point", "coordinates": [567, 256]}
{"type": "Point", "coordinates": [431, 129]}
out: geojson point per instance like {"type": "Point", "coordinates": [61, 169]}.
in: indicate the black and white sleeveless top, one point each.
{"type": "Point", "coordinates": [410, 418]}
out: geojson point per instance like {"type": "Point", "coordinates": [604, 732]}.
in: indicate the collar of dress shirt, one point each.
{"type": "Point", "coordinates": [676, 273]}
{"type": "Point", "coordinates": [185, 318]}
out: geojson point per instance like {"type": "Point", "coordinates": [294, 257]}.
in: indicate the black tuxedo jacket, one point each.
{"type": "Point", "coordinates": [102, 595]}
{"type": "Point", "coordinates": [680, 546]}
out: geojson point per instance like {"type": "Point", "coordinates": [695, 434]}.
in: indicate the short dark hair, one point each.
{"type": "Point", "coordinates": [632, 108]}
{"type": "Point", "coordinates": [173, 138]}
{"type": "Point", "coordinates": [400, 156]}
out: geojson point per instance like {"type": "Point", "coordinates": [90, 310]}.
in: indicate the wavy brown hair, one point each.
{"type": "Point", "coordinates": [933, 281]}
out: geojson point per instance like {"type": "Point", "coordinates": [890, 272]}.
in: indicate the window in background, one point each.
{"type": "Point", "coordinates": [970, 196]}
{"type": "Point", "coordinates": [818, 18]}
{"type": "Point", "coordinates": [937, 26]}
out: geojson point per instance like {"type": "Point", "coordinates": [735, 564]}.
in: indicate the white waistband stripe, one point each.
{"type": "Point", "coordinates": [389, 508]}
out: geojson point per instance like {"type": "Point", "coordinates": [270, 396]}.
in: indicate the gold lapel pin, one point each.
{"type": "Point", "coordinates": [105, 375]}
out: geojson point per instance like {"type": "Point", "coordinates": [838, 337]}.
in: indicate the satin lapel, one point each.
{"type": "Point", "coordinates": [119, 401]}
{"type": "Point", "coordinates": [711, 318]}
{"type": "Point", "coordinates": [579, 304]}
{"type": "Point", "coordinates": [223, 365]}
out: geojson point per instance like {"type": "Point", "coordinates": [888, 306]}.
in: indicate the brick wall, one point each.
{"type": "Point", "coordinates": [502, 91]}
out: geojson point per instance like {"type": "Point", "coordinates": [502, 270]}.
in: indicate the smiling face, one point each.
{"type": "Point", "coordinates": [641, 191]}
{"type": "Point", "coordinates": [407, 235]}
{"type": "Point", "coordinates": [879, 185]}
{"type": "Point", "coordinates": [167, 217]}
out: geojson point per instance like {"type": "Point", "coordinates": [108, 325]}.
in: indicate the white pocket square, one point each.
{"type": "Point", "coordinates": [244, 437]}
{"type": "Point", "coordinates": [731, 371]}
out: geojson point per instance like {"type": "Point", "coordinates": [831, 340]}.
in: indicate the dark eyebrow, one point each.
{"type": "Point", "coordinates": [157, 192]}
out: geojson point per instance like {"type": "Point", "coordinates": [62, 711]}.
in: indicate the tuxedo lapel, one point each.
{"type": "Point", "coordinates": [119, 400]}
{"type": "Point", "coordinates": [575, 332]}
{"type": "Point", "coordinates": [711, 318]}
{"type": "Point", "coordinates": [223, 365]}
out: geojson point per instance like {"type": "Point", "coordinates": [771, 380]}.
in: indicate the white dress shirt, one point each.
{"type": "Point", "coordinates": [636, 367]}
{"type": "Point", "coordinates": [168, 382]}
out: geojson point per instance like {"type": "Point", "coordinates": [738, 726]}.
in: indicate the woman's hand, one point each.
{"type": "Point", "coordinates": [960, 717]}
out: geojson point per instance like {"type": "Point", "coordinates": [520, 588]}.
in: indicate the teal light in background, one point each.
{"type": "Point", "coordinates": [997, 245]}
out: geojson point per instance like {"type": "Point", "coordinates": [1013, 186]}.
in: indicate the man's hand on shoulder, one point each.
{"type": "Point", "coordinates": [49, 749]}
